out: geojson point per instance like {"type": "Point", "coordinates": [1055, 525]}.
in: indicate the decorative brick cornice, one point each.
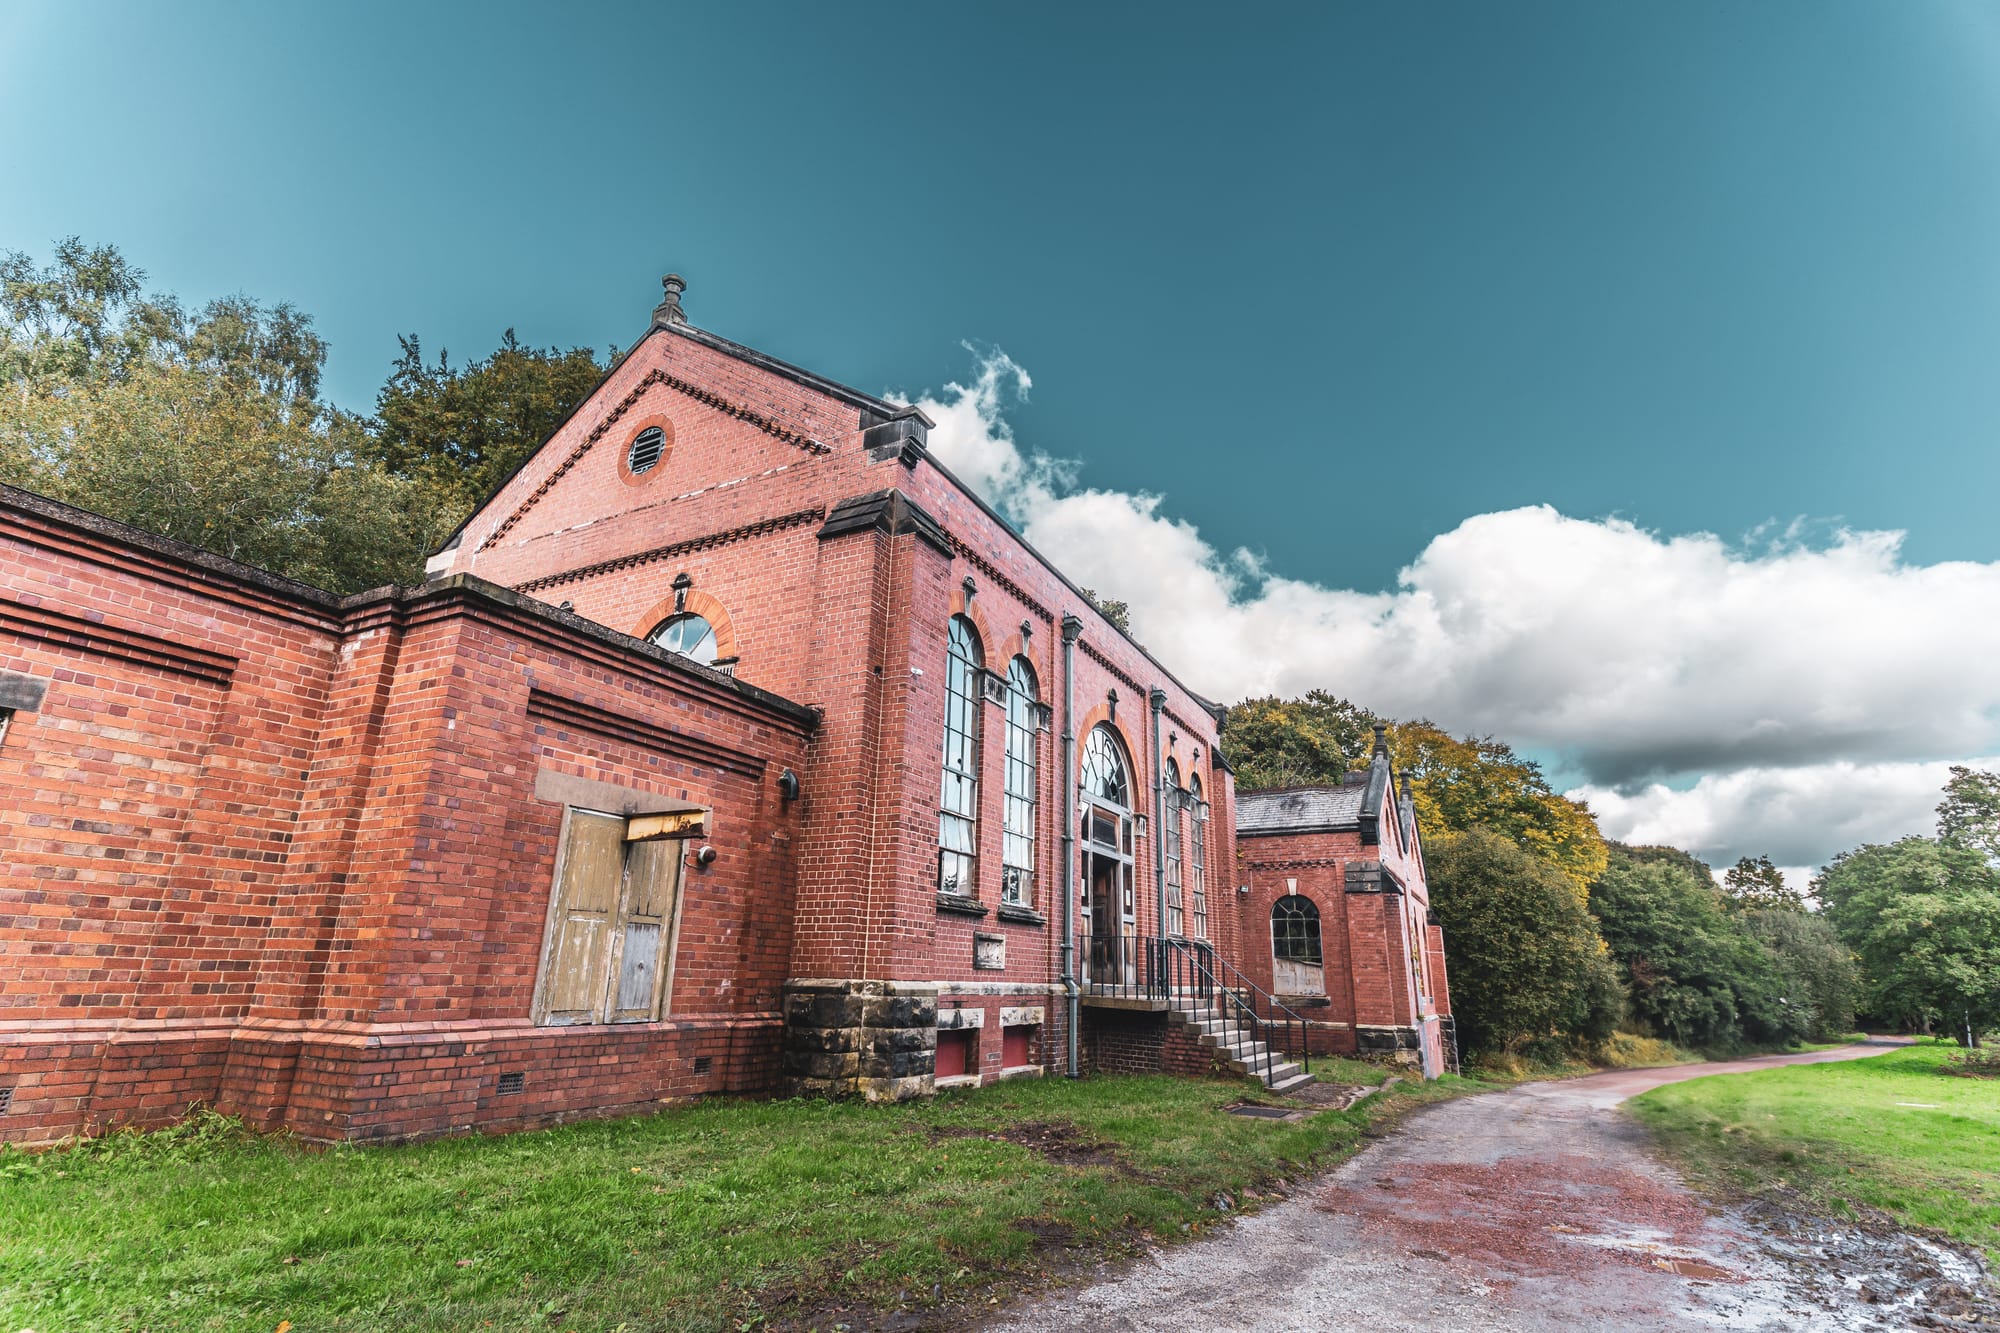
{"type": "Point", "coordinates": [126, 645]}
{"type": "Point", "coordinates": [703, 543]}
{"type": "Point", "coordinates": [686, 388]}
{"type": "Point", "coordinates": [992, 571]}
{"type": "Point", "coordinates": [1311, 863]}
{"type": "Point", "coordinates": [576, 715]}
{"type": "Point", "coordinates": [1098, 657]}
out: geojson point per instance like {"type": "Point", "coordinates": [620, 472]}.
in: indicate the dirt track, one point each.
{"type": "Point", "coordinates": [1538, 1208]}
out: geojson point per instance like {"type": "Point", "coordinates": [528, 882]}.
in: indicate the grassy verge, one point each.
{"type": "Point", "coordinates": [719, 1216]}
{"type": "Point", "coordinates": [1888, 1132]}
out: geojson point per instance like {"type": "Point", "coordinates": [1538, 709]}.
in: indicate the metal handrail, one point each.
{"type": "Point", "coordinates": [1190, 977]}
{"type": "Point", "coordinates": [1232, 983]}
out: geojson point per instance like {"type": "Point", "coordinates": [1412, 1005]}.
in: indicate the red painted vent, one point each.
{"type": "Point", "coordinates": [954, 1053]}
{"type": "Point", "coordinates": [1014, 1045]}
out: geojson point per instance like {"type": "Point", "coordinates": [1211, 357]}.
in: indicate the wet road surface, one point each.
{"type": "Point", "coordinates": [1538, 1208]}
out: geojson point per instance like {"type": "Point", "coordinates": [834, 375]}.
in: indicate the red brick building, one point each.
{"type": "Point", "coordinates": [734, 744]}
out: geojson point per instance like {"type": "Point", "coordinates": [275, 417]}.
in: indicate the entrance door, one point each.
{"type": "Point", "coordinates": [1108, 897]}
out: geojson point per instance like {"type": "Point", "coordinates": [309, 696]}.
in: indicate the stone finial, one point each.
{"type": "Point", "coordinates": [1381, 738]}
{"type": "Point", "coordinates": [668, 311]}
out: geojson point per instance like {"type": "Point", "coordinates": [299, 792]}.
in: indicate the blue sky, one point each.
{"type": "Point", "coordinates": [1335, 280]}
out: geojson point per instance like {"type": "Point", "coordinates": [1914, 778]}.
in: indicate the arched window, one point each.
{"type": "Point", "coordinates": [958, 806]}
{"type": "Point", "coordinates": [1103, 776]}
{"type": "Point", "coordinates": [1017, 859]}
{"type": "Point", "coordinates": [689, 635]}
{"type": "Point", "coordinates": [1170, 838]}
{"type": "Point", "coordinates": [1106, 853]}
{"type": "Point", "coordinates": [1198, 855]}
{"type": "Point", "coordinates": [1295, 954]}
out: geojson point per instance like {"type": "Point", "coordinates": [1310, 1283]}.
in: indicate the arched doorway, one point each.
{"type": "Point", "coordinates": [1105, 781]}
{"type": "Point", "coordinates": [1297, 965]}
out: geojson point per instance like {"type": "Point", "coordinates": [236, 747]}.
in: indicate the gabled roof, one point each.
{"type": "Point", "coordinates": [1299, 810]}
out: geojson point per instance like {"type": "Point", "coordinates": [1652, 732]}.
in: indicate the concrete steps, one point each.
{"type": "Point", "coordinates": [1233, 1041]}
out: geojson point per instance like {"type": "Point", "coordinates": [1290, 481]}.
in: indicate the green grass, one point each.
{"type": "Point", "coordinates": [717, 1216]}
{"type": "Point", "coordinates": [1887, 1131]}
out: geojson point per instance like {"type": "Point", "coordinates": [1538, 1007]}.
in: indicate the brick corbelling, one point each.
{"type": "Point", "coordinates": [749, 416]}
{"type": "Point", "coordinates": [1310, 864]}
{"type": "Point", "coordinates": [992, 571]}
{"type": "Point", "coordinates": [1094, 655]}
{"type": "Point", "coordinates": [577, 715]}
{"type": "Point", "coordinates": [692, 544]}
{"type": "Point", "coordinates": [105, 640]}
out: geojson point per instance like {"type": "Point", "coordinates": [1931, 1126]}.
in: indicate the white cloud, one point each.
{"type": "Point", "coordinates": [1813, 685]}
{"type": "Point", "coordinates": [1796, 816]}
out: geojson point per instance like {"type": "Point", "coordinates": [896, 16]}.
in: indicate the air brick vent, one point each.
{"type": "Point", "coordinates": [703, 1063]}
{"type": "Point", "coordinates": [512, 1082]}
{"type": "Point", "coordinates": [6, 1100]}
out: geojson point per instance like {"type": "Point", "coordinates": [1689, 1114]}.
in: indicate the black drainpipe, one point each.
{"type": "Point", "coordinates": [1072, 629]}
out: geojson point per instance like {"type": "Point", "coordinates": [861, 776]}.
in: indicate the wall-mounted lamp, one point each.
{"type": "Point", "coordinates": [703, 856]}
{"type": "Point", "coordinates": [788, 785]}
{"type": "Point", "coordinates": [1243, 889]}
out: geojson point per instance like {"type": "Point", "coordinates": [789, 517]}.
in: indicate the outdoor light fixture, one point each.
{"type": "Point", "coordinates": [703, 856]}
{"type": "Point", "coordinates": [788, 785]}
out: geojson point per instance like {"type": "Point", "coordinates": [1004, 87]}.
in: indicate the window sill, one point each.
{"type": "Point", "coordinates": [1022, 1071]}
{"type": "Point", "coordinates": [1026, 916]}
{"type": "Point", "coordinates": [956, 1081]}
{"type": "Point", "coordinates": [959, 905]}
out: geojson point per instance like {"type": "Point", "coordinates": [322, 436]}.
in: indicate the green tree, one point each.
{"type": "Point", "coordinates": [1754, 886]}
{"type": "Point", "coordinates": [1696, 975]}
{"type": "Point", "coordinates": [1524, 957]}
{"type": "Point", "coordinates": [1969, 815]}
{"type": "Point", "coordinates": [1818, 972]}
{"type": "Point", "coordinates": [1275, 742]}
{"type": "Point", "coordinates": [464, 429]}
{"type": "Point", "coordinates": [1922, 916]}
{"type": "Point", "coordinates": [205, 426]}
{"type": "Point", "coordinates": [1118, 613]}
{"type": "Point", "coordinates": [1463, 784]}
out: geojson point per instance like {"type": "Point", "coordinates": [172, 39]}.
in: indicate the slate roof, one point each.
{"type": "Point", "coordinates": [1299, 809]}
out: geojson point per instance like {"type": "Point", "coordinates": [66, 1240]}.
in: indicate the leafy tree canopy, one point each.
{"type": "Point", "coordinates": [464, 429]}
{"type": "Point", "coordinates": [207, 425]}
{"type": "Point", "coordinates": [201, 425]}
{"type": "Point", "coordinates": [1275, 742]}
{"type": "Point", "coordinates": [1118, 613]}
{"type": "Point", "coordinates": [1757, 885]}
{"type": "Point", "coordinates": [1969, 815]}
{"type": "Point", "coordinates": [1469, 783]}
{"type": "Point", "coordinates": [1524, 957]}
{"type": "Point", "coordinates": [1696, 976]}
{"type": "Point", "coordinates": [1922, 916]}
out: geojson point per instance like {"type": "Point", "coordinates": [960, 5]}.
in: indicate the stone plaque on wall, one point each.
{"type": "Point", "coordinates": [989, 952]}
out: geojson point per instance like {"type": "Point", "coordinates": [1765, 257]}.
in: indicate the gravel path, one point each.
{"type": "Point", "coordinates": [1538, 1208]}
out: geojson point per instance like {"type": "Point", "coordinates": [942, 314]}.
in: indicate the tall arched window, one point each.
{"type": "Point", "coordinates": [1198, 856]}
{"type": "Point", "coordinates": [1103, 769]}
{"type": "Point", "coordinates": [1017, 858]}
{"type": "Point", "coordinates": [1170, 837]}
{"type": "Point", "coordinates": [1296, 967]}
{"type": "Point", "coordinates": [958, 805]}
{"type": "Point", "coordinates": [1104, 776]}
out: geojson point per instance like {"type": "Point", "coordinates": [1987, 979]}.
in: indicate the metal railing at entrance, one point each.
{"type": "Point", "coordinates": [1189, 976]}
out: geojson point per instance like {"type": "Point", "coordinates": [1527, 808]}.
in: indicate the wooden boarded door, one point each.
{"type": "Point", "coordinates": [639, 960]}
{"type": "Point", "coordinates": [587, 891]}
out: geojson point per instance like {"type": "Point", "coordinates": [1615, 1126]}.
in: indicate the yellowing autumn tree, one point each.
{"type": "Point", "coordinates": [1469, 783]}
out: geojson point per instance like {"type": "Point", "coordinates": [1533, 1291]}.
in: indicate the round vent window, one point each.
{"type": "Point", "coordinates": [647, 446]}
